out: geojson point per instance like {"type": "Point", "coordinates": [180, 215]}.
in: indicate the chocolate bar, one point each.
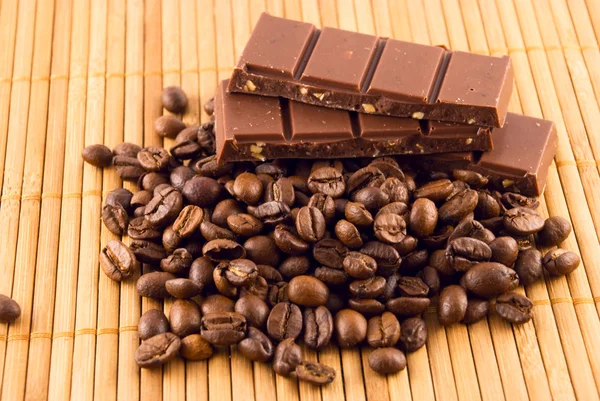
{"type": "Point", "coordinates": [260, 128]}
{"type": "Point", "coordinates": [369, 74]}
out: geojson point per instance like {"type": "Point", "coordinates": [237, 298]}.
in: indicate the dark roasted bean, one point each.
{"type": "Point", "coordinates": [514, 307]}
{"type": "Point", "coordinates": [179, 261]}
{"type": "Point", "coordinates": [184, 317]}
{"type": "Point", "coordinates": [523, 221]}
{"type": "Point", "coordinates": [556, 230]}
{"type": "Point", "coordinates": [477, 309]}
{"type": "Point", "coordinates": [504, 250]}
{"type": "Point", "coordinates": [413, 334]}
{"type": "Point", "coordinates": [157, 350]}
{"type": "Point", "coordinates": [489, 279]}
{"type": "Point", "coordinates": [559, 262]}
{"type": "Point", "coordinates": [288, 355]}
{"type": "Point", "coordinates": [153, 285]}
{"type": "Point", "coordinates": [117, 261]}
{"type": "Point", "coordinates": [288, 240]}
{"type": "Point", "coordinates": [387, 361]}
{"type": "Point", "coordinates": [383, 331]}
{"type": "Point", "coordinates": [529, 266]}
{"type": "Point", "coordinates": [256, 346]}
{"type": "Point", "coordinates": [254, 309]}
{"type": "Point", "coordinates": [318, 327]}
{"type": "Point", "coordinates": [407, 306]}
{"type": "Point", "coordinates": [285, 321]}
{"type": "Point", "coordinates": [350, 328]}
{"type": "Point", "coordinates": [315, 373]}
{"type": "Point", "coordinates": [9, 309]}
{"type": "Point", "coordinates": [452, 305]}
{"type": "Point", "coordinates": [223, 328]}
{"type": "Point", "coordinates": [174, 99]}
{"type": "Point", "coordinates": [326, 180]}
{"type": "Point", "coordinates": [152, 323]}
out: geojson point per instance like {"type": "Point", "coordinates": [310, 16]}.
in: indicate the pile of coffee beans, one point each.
{"type": "Point", "coordinates": [354, 251]}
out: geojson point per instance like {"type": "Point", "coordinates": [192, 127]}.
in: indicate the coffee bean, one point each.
{"type": "Point", "coordinates": [170, 239]}
{"type": "Point", "coordinates": [269, 273]}
{"type": "Point", "coordinates": [386, 257]}
{"type": "Point", "coordinates": [153, 158]}
{"type": "Point", "coordinates": [310, 224]}
{"type": "Point", "coordinates": [202, 191]}
{"type": "Point", "coordinates": [97, 155]}
{"type": "Point", "coordinates": [223, 328]}
{"type": "Point", "coordinates": [183, 288]}
{"type": "Point", "coordinates": [256, 346]}
{"type": "Point", "coordinates": [439, 238]}
{"type": "Point", "coordinates": [128, 168]}
{"type": "Point", "coordinates": [387, 361]}
{"type": "Point", "coordinates": [120, 196]}
{"type": "Point", "coordinates": [193, 245]}
{"type": "Point", "coordinates": [318, 327]}
{"type": "Point", "coordinates": [435, 191]}
{"type": "Point", "coordinates": [168, 126]}
{"type": "Point", "coordinates": [423, 217]}
{"type": "Point", "coordinates": [350, 328]}
{"type": "Point", "coordinates": [383, 331]}
{"type": "Point", "coordinates": [188, 221]}
{"type": "Point", "coordinates": [389, 228]}
{"type": "Point", "coordinates": [559, 262]}
{"type": "Point", "coordinates": [179, 261]}
{"type": "Point", "coordinates": [413, 334]}
{"type": "Point", "coordinates": [511, 200]}
{"type": "Point", "coordinates": [326, 180]}
{"type": "Point", "coordinates": [325, 204]}
{"type": "Point", "coordinates": [315, 373]}
{"type": "Point", "coordinates": [126, 149]}
{"type": "Point", "coordinates": [368, 288]}
{"type": "Point", "coordinates": [288, 355]}
{"type": "Point", "coordinates": [224, 209]}
{"type": "Point", "coordinates": [248, 188]}
{"type": "Point", "coordinates": [477, 309]}
{"type": "Point", "coordinates": [487, 206]}
{"type": "Point", "coordinates": [161, 186]}
{"type": "Point", "coordinates": [364, 178]}
{"type": "Point", "coordinates": [185, 317]}
{"type": "Point", "coordinates": [555, 231]}
{"type": "Point", "coordinates": [259, 287]}
{"type": "Point", "coordinates": [529, 266]}
{"type": "Point", "coordinates": [431, 278]}
{"type": "Point", "coordinates": [271, 213]}
{"type": "Point", "coordinates": [330, 252]}
{"type": "Point", "coordinates": [504, 250]}
{"type": "Point", "coordinates": [153, 285]}
{"type": "Point", "coordinates": [152, 323]}
{"type": "Point", "coordinates": [412, 287]}
{"type": "Point", "coordinates": [186, 149]}
{"type": "Point", "coordinates": [281, 190]}
{"type": "Point", "coordinates": [307, 291]}
{"type": "Point", "coordinates": [9, 309]}
{"type": "Point", "coordinates": [366, 307]}
{"type": "Point", "coordinates": [212, 232]}
{"type": "Point", "coordinates": [458, 206]}
{"type": "Point", "coordinates": [223, 249]}
{"type": "Point", "coordinates": [147, 252]}
{"type": "Point", "coordinates": [164, 208]}
{"type": "Point", "coordinates": [195, 348]}
{"type": "Point", "coordinates": [157, 350]}
{"type": "Point", "coordinates": [277, 293]}
{"type": "Point", "coordinates": [372, 197]}
{"type": "Point", "coordinates": [452, 305]}
{"type": "Point", "coordinates": [216, 303]}
{"type": "Point", "coordinates": [523, 221]}
{"type": "Point", "coordinates": [288, 240]}
{"type": "Point", "coordinates": [414, 261]}
{"type": "Point", "coordinates": [331, 276]}
{"type": "Point", "coordinates": [357, 214]}
{"type": "Point", "coordinates": [489, 280]}
{"type": "Point", "coordinates": [244, 224]}
{"type": "Point", "coordinates": [470, 177]}
{"type": "Point", "coordinates": [255, 310]}
{"type": "Point", "coordinates": [464, 252]}
{"type": "Point", "coordinates": [174, 99]}
{"type": "Point", "coordinates": [359, 265]}
{"type": "Point", "coordinates": [395, 189]}
{"type": "Point", "coordinates": [294, 266]}
{"type": "Point", "coordinates": [139, 199]}
{"type": "Point", "coordinates": [514, 307]}
{"type": "Point", "coordinates": [117, 261]}
{"type": "Point", "coordinates": [285, 321]}
{"type": "Point", "coordinates": [206, 137]}
{"type": "Point", "coordinates": [262, 250]}
{"type": "Point", "coordinates": [407, 306]}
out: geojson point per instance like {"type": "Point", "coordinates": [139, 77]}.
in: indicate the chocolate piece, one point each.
{"type": "Point", "coordinates": [259, 128]}
{"type": "Point", "coordinates": [354, 71]}
{"type": "Point", "coordinates": [523, 151]}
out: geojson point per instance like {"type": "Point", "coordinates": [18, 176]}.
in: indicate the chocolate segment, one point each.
{"type": "Point", "coordinates": [369, 74]}
{"type": "Point", "coordinates": [251, 128]}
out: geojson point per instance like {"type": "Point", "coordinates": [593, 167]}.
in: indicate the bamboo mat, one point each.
{"type": "Point", "coordinates": [79, 72]}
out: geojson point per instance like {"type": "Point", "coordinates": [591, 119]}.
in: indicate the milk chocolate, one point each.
{"type": "Point", "coordinates": [353, 71]}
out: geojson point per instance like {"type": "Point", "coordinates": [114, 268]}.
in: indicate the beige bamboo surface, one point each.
{"type": "Point", "coordinates": [78, 72]}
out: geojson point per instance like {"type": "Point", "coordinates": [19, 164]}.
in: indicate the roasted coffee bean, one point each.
{"type": "Point", "coordinates": [464, 252]}
{"type": "Point", "coordinates": [174, 99]}
{"type": "Point", "coordinates": [407, 245]}
{"type": "Point", "coordinates": [277, 293]}
{"type": "Point", "coordinates": [387, 361]}
{"type": "Point", "coordinates": [487, 206]}
{"type": "Point", "coordinates": [126, 149]}
{"type": "Point", "coordinates": [395, 189]}
{"type": "Point", "coordinates": [97, 155]}
{"type": "Point", "coordinates": [224, 209]}
{"type": "Point", "coordinates": [179, 261]}
{"type": "Point", "coordinates": [256, 346]}
{"type": "Point", "coordinates": [470, 177]}
{"type": "Point", "coordinates": [9, 309]}
{"type": "Point", "coordinates": [359, 265]}
{"type": "Point", "coordinates": [414, 261]}
{"type": "Point", "coordinates": [470, 228]}
{"type": "Point", "coordinates": [153, 158]}
{"type": "Point", "coordinates": [439, 262]}
{"type": "Point", "coordinates": [326, 180]}
{"type": "Point", "coordinates": [281, 190]}
{"type": "Point", "coordinates": [439, 239]}
{"type": "Point", "coordinates": [148, 252]}
{"type": "Point", "coordinates": [350, 328]}
{"type": "Point", "coordinates": [201, 272]}
{"type": "Point", "coordinates": [170, 239]}
{"type": "Point", "coordinates": [452, 305]}
{"type": "Point", "coordinates": [523, 221]}
{"type": "Point", "coordinates": [254, 309]}
{"type": "Point", "coordinates": [315, 373]}
{"type": "Point", "coordinates": [117, 261]}
{"type": "Point", "coordinates": [269, 273]}
{"type": "Point", "coordinates": [152, 323]}
{"type": "Point", "coordinates": [559, 262]}
{"type": "Point", "coordinates": [202, 191]}
{"type": "Point", "coordinates": [431, 278]}
{"type": "Point", "coordinates": [529, 266]}
{"type": "Point", "coordinates": [389, 228]}
{"type": "Point", "coordinates": [383, 331]}
{"type": "Point", "coordinates": [195, 348]}
{"type": "Point", "coordinates": [259, 287]}
{"type": "Point", "coordinates": [340, 207]}
{"type": "Point", "coordinates": [120, 196]}
{"type": "Point", "coordinates": [223, 249]}
{"type": "Point", "coordinates": [367, 307]}
{"type": "Point", "coordinates": [364, 178]}
{"type": "Point", "coordinates": [413, 334]}
{"type": "Point", "coordinates": [412, 287]}
{"type": "Point", "coordinates": [128, 168]}
{"type": "Point", "coordinates": [511, 200]}
{"type": "Point", "coordinates": [357, 214]}
{"type": "Point", "coordinates": [504, 250]}
{"type": "Point", "coordinates": [244, 224]}
{"type": "Point", "coordinates": [262, 250]}
{"type": "Point", "coordinates": [150, 181]}
{"type": "Point", "coordinates": [310, 224]}
{"type": "Point", "coordinates": [188, 221]}
{"type": "Point", "coordinates": [271, 169]}
{"type": "Point", "coordinates": [318, 327]}
{"type": "Point", "coordinates": [164, 208]}
{"type": "Point", "coordinates": [271, 213]}
{"type": "Point", "coordinates": [386, 257]}
{"type": "Point", "coordinates": [294, 266]}
{"type": "Point", "coordinates": [435, 191]}
{"type": "Point", "coordinates": [489, 280]}
{"type": "Point", "coordinates": [153, 285]}
{"type": "Point", "coordinates": [330, 253]}
{"type": "Point", "coordinates": [477, 309]}
{"type": "Point", "coordinates": [288, 355]}
{"type": "Point", "coordinates": [185, 317]}
{"type": "Point", "coordinates": [115, 218]}
{"type": "Point", "coordinates": [216, 303]}
{"type": "Point", "coordinates": [210, 167]}
{"type": "Point", "coordinates": [285, 321]}
{"type": "Point", "coordinates": [158, 188]}
{"type": "Point", "coordinates": [223, 328]}
{"type": "Point", "coordinates": [212, 232]}
{"type": "Point", "coordinates": [407, 306]}
{"type": "Point", "coordinates": [307, 291]}
{"type": "Point", "coordinates": [248, 188]}
{"type": "Point", "coordinates": [368, 288]}
{"type": "Point", "coordinates": [157, 350]}
{"type": "Point", "coordinates": [223, 285]}
{"type": "Point", "coordinates": [333, 163]}
{"type": "Point", "coordinates": [524, 242]}
{"type": "Point", "coordinates": [556, 230]}
{"type": "Point", "coordinates": [458, 206]}
{"type": "Point", "coordinates": [141, 198]}
{"type": "Point", "coordinates": [348, 234]}
{"type": "Point", "coordinates": [239, 272]}
{"type": "Point", "coordinates": [288, 240]}
{"type": "Point", "coordinates": [372, 197]}
{"type": "Point", "coordinates": [183, 288]}
{"type": "Point", "coordinates": [331, 276]}
{"type": "Point", "coordinates": [391, 287]}
{"type": "Point", "coordinates": [168, 126]}
{"type": "Point", "coordinates": [423, 217]}
{"type": "Point", "coordinates": [325, 204]}
{"type": "Point", "coordinates": [514, 307]}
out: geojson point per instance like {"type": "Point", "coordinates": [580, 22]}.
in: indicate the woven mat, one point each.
{"type": "Point", "coordinates": [78, 72]}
